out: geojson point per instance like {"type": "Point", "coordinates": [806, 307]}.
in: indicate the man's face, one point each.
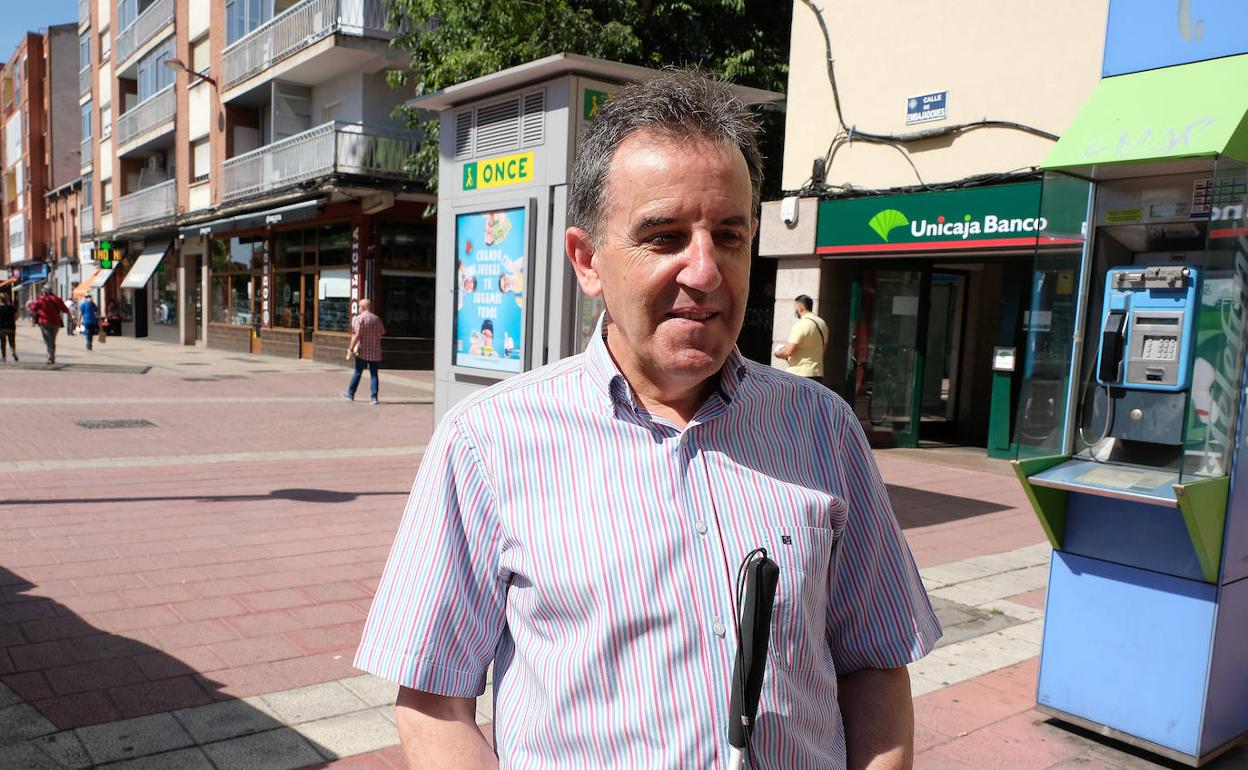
{"type": "Point", "coordinates": [673, 260]}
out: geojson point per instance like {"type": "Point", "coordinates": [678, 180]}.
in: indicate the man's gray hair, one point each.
{"type": "Point", "coordinates": [681, 104]}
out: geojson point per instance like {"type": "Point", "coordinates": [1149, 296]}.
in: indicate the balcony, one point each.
{"type": "Point", "coordinates": [87, 148]}
{"type": "Point", "coordinates": [150, 118]}
{"type": "Point", "coordinates": [148, 205]}
{"type": "Point", "coordinates": [84, 81]}
{"type": "Point", "coordinates": [331, 148]}
{"type": "Point", "coordinates": [295, 29]}
{"type": "Point", "coordinates": [157, 16]}
{"type": "Point", "coordinates": [86, 221]}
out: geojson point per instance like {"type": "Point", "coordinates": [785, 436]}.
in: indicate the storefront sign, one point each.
{"type": "Point", "coordinates": [265, 285]}
{"type": "Point", "coordinates": [928, 107]}
{"type": "Point", "coordinates": [1147, 34]}
{"type": "Point", "coordinates": [355, 271]}
{"type": "Point", "coordinates": [974, 218]}
{"type": "Point", "coordinates": [499, 172]}
{"type": "Point", "coordinates": [491, 259]}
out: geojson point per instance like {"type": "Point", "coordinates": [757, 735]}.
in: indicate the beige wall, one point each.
{"type": "Point", "coordinates": [1016, 60]}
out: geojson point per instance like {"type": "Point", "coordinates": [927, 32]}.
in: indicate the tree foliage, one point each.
{"type": "Point", "coordinates": [451, 41]}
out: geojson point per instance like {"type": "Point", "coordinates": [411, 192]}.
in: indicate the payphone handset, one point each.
{"type": "Point", "coordinates": [1148, 327]}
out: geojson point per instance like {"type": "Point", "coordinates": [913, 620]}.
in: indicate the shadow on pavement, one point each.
{"type": "Point", "coordinates": [75, 696]}
{"type": "Point", "coordinates": [920, 508]}
{"type": "Point", "coordinates": [294, 495]}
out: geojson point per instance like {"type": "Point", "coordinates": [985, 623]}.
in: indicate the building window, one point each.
{"type": "Point", "coordinates": [107, 195]}
{"type": "Point", "coordinates": [106, 45]}
{"type": "Point", "coordinates": [243, 16]}
{"type": "Point", "coordinates": [106, 121]}
{"type": "Point", "coordinates": [199, 58]}
{"type": "Point", "coordinates": [201, 160]}
{"type": "Point", "coordinates": [84, 50]}
{"type": "Point", "coordinates": [154, 76]}
{"type": "Point", "coordinates": [88, 191]}
{"type": "Point", "coordinates": [86, 120]}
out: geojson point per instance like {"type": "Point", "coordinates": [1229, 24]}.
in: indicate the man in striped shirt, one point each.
{"type": "Point", "coordinates": [580, 526]}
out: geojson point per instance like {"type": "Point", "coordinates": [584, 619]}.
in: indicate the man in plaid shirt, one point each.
{"type": "Point", "coordinates": [366, 333]}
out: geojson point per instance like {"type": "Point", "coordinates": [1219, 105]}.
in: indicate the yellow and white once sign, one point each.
{"type": "Point", "coordinates": [499, 172]}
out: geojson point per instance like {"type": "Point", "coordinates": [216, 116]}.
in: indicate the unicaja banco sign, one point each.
{"type": "Point", "coordinates": [980, 217]}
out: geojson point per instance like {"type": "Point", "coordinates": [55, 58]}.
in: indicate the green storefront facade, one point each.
{"type": "Point", "coordinates": [929, 293]}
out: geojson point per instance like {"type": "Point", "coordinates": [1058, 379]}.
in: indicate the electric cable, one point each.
{"type": "Point", "coordinates": [847, 133]}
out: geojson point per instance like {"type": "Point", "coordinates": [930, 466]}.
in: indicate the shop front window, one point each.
{"type": "Point", "coordinates": [334, 245]}
{"type": "Point", "coordinates": [219, 299]}
{"type": "Point", "coordinates": [286, 299]}
{"type": "Point", "coordinates": [241, 295]}
{"type": "Point", "coordinates": [288, 249]}
{"type": "Point", "coordinates": [165, 298]}
{"type": "Point", "coordinates": [408, 267]}
{"type": "Point", "coordinates": [333, 307]}
{"type": "Point", "coordinates": [236, 265]}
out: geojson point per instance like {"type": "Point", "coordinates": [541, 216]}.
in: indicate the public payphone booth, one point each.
{"type": "Point", "coordinates": [1130, 424]}
{"type": "Point", "coordinates": [507, 300]}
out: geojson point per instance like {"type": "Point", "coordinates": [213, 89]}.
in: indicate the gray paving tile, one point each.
{"type": "Point", "coordinates": [131, 738]}
{"type": "Point", "coordinates": [350, 734]}
{"type": "Point", "coordinates": [65, 748]}
{"type": "Point", "coordinates": [182, 759]}
{"type": "Point", "coordinates": [282, 749]}
{"type": "Point", "coordinates": [318, 701]}
{"type": "Point", "coordinates": [227, 719]}
{"type": "Point", "coordinates": [25, 756]}
{"type": "Point", "coordinates": [373, 690]}
{"type": "Point", "coordinates": [8, 697]}
{"type": "Point", "coordinates": [21, 722]}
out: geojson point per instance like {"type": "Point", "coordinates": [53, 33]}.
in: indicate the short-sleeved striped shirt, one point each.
{"type": "Point", "coordinates": [370, 330]}
{"type": "Point", "coordinates": [589, 549]}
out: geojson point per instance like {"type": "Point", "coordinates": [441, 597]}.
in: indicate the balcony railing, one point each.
{"type": "Point", "coordinates": [157, 16]}
{"type": "Point", "coordinates": [297, 28]}
{"type": "Point", "coordinates": [155, 202]}
{"type": "Point", "coordinates": [149, 114]}
{"type": "Point", "coordinates": [84, 12]}
{"type": "Point", "coordinates": [86, 221]}
{"type": "Point", "coordinates": [326, 149]}
{"type": "Point", "coordinates": [87, 148]}
{"type": "Point", "coordinates": [84, 80]}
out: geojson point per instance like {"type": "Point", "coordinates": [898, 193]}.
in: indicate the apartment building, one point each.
{"type": "Point", "coordinates": [912, 140]}
{"type": "Point", "coordinates": [40, 153]}
{"type": "Point", "coordinates": [243, 170]}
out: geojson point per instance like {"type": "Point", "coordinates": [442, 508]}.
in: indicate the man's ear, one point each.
{"type": "Point", "coordinates": [580, 249]}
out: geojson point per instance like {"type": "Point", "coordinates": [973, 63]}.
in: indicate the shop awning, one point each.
{"type": "Point", "coordinates": [81, 289]}
{"type": "Point", "coordinates": [145, 265]}
{"type": "Point", "coordinates": [1169, 114]}
{"type": "Point", "coordinates": [102, 277]}
{"type": "Point", "coordinates": [295, 212]}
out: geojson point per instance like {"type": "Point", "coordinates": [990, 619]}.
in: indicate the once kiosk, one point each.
{"type": "Point", "coordinates": [507, 299]}
{"type": "Point", "coordinates": [1130, 425]}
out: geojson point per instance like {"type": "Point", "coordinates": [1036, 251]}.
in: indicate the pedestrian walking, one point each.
{"type": "Point", "coordinates": [808, 340]}
{"type": "Point", "coordinates": [8, 328]}
{"type": "Point", "coordinates": [580, 526]}
{"type": "Point", "coordinates": [48, 311]}
{"type": "Point", "coordinates": [365, 346]}
{"type": "Point", "coordinates": [71, 316]}
{"type": "Point", "coordinates": [90, 313]}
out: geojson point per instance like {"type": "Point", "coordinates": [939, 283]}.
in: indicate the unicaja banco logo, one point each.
{"type": "Point", "coordinates": [884, 222]}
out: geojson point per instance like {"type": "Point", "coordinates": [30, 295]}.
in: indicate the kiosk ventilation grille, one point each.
{"type": "Point", "coordinates": [532, 125]}
{"type": "Point", "coordinates": [498, 127]}
{"type": "Point", "coordinates": [463, 135]}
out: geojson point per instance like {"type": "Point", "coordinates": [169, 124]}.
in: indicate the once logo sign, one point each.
{"type": "Point", "coordinates": [499, 172]}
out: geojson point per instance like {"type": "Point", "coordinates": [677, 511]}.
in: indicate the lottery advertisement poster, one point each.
{"type": "Point", "coordinates": [491, 258]}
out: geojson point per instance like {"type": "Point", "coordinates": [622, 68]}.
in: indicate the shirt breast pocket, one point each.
{"type": "Point", "coordinates": [799, 615]}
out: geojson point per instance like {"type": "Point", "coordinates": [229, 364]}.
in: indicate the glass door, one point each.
{"type": "Point", "coordinates": [308, 326]}
{"type": "Point", "coordinates": [943, 351]}
{"type": "Point", "coordinates": [887, 359]}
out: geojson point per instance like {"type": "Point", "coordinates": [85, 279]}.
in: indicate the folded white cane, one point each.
{"type": "Point", "coordinates": [754, 630]}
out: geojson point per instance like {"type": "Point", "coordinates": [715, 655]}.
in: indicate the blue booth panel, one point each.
{"type": "Point", "coordinates": [1128, 648]}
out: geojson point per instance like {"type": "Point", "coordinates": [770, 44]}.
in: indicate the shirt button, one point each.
{"type": "Point", "coordinates": [718, 627]}
{"type": "Point", "coordinates": [701, 527]}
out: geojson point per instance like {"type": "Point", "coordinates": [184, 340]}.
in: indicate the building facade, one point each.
{"type": "Point", "coordinates": [244, 170]}
{"type": "Point", "coordinates": [914, 217]}
{"type": "Point", "coordinates": [40, 154]}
